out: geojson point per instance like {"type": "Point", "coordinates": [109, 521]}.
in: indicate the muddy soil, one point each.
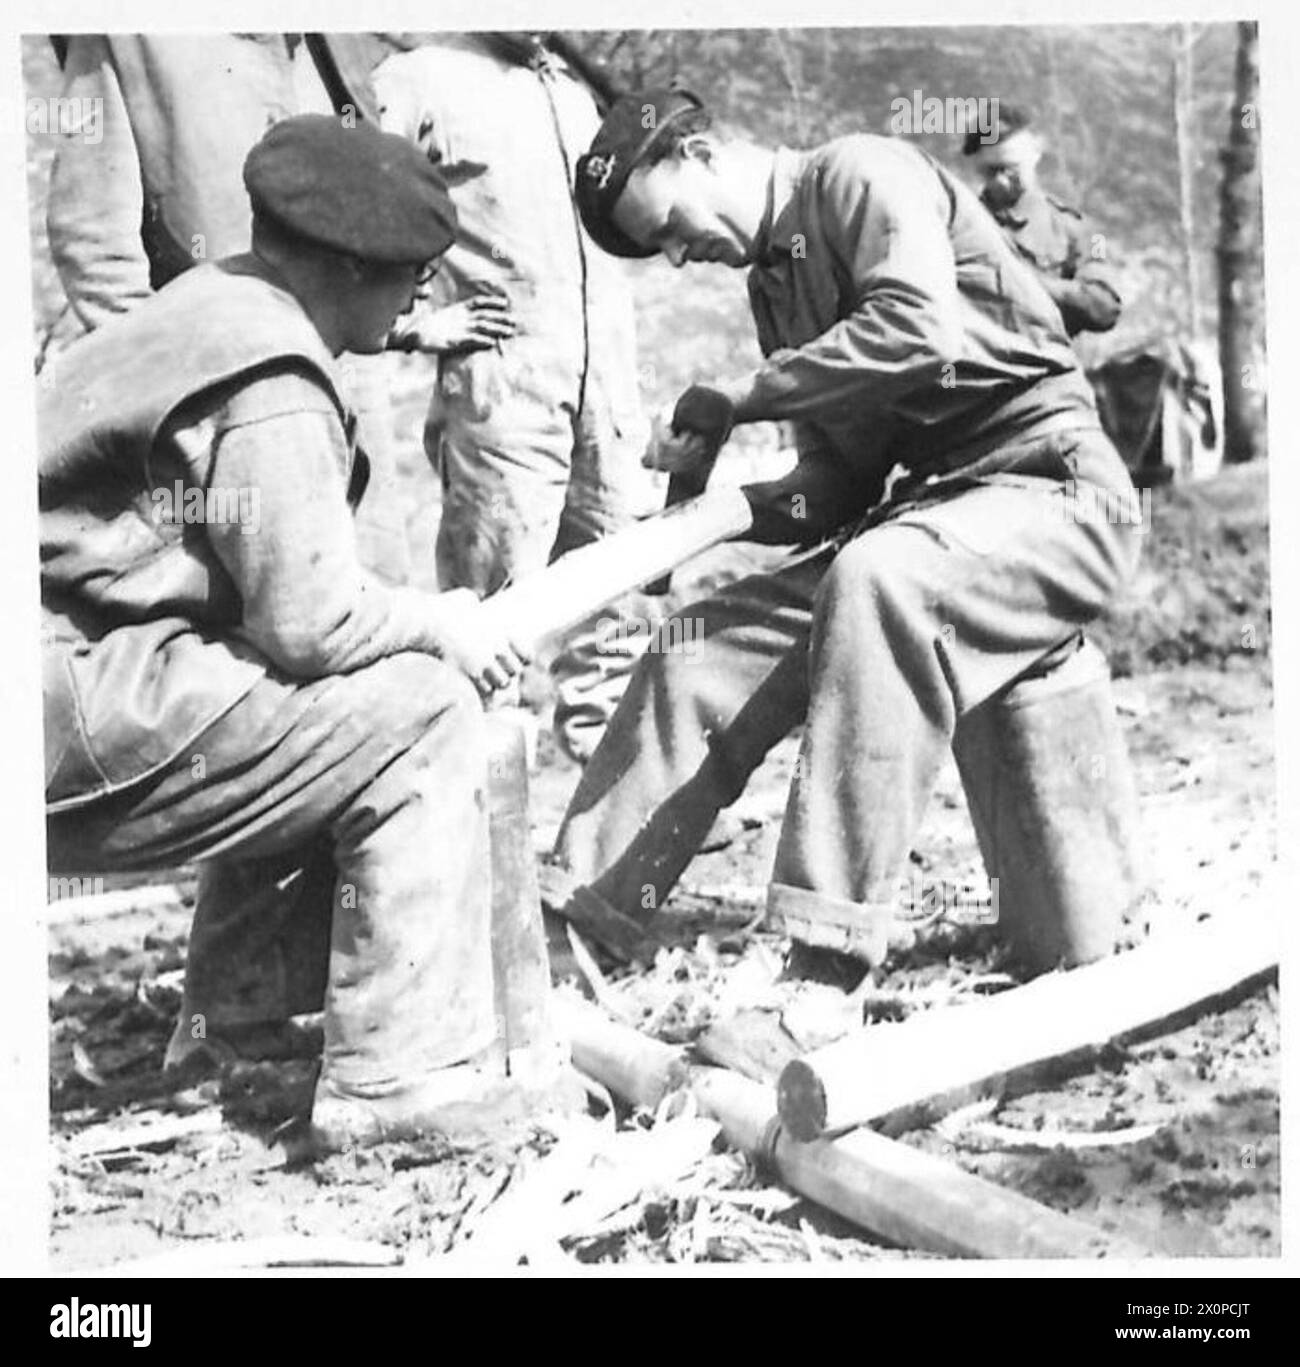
{"type": "Point", "coordinates": [1197, 1174]}
{"type": "Point", "coordinates": [1205, 1183]}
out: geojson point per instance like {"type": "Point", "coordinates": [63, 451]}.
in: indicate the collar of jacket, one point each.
{"type": "Point", "coordinates": [774, 241]}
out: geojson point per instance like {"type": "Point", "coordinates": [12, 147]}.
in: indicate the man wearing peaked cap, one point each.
{"type": "Point", "coordinates": [903, 336]}
{"type": "Point", "coordinates": [225, 684]}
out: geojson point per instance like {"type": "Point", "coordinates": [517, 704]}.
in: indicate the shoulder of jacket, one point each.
{"type": "Point", "coordinates": [862, 148]}
{"type": "Point", "coordinates": [867, 156]}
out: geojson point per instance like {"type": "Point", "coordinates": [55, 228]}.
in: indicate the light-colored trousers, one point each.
{"type": "Point", "coordinates": [878, 648]}
{"type": "Point", "coordinates": [527, 474]}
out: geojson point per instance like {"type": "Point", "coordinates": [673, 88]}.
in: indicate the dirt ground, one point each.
{"type": "Point", "coordinates": [1197, 1176]}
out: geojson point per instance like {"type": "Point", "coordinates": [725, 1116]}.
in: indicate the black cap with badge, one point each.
{"type": "Point", "coordinates": [632, 129]}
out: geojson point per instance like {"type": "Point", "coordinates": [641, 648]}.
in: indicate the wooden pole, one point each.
{"type": "Point", "coordinates": [899, 1193]}
{"type": "Point", "coordinates": [936, 1060]}
{"type": "Point", "coordinates": [534, 1046]}
{"type": "Point", "coordinates": [582, 582]}
{"type": "Point", "coordinates": [640, 1070]}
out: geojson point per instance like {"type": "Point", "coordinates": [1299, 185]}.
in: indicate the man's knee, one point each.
{"type": "Point", "coordinates": [879, 573]}
{"type": "Point", "coordinates": [406, 696]}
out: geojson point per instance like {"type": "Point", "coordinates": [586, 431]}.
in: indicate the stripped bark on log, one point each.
{"type": "Point", "coordinates": [896, 1192]}
{"type": "Point", "coordinates": [935, 1061]}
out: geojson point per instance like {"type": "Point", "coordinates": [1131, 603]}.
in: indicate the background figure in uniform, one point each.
{"type": "Point", "coordinates": [1054, 237]}
{"type": "Point", "coordinates": [537, 440]}
{"type": "Point", "coordinates": [160, 190]}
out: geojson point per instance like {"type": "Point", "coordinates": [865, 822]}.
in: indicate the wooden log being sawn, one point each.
{"type": "Point", "coordinates": [587, 579]}
{"type": "Point", "coordinates": [546, 604]}
{"type": "Point", "coordinates": [937, 1060]}
{"type": "Point", "coordinates": [896, 1192]}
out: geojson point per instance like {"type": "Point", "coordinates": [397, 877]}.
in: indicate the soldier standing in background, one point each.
{"type": "Point", "coordinates": [537, 440]}
{"type": "Point", "coordinates": [1051, 235]}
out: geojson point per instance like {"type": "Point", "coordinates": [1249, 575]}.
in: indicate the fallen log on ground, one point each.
{"type": "Point", "coordinates": [896, 1192]}
{"type": "Point", "coordinates": [753, 1043]}
{"type": "Point", "coordinates": [633, 1066]}
{"type": "Point", "coordinates": [935, 1061]}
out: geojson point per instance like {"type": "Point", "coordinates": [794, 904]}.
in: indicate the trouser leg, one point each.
{"type": "Point", "coordinates": [386, 766]}
{"type": "Point", "coordinates": [497, 521]}
{"type": "Point", "coordinates": [694, 724]}
{"type": "Point", "coordinates": [499, 434]}
{"type": "Point", "coordinates": [918, 621]}
{"type": "Point", "coordinates": [524, 480]}
{"type": "Point", "coordinates": [411, 986]}
{"type": "Point", "coordinates": [608, 490]}
{"type": "Point", "coordinates": [500, 504]}
{"type": "Point", "coordinates": [259, 944]}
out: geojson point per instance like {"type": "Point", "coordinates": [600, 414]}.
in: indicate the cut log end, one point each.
{"type": "Point", "coordinates": [801, 1101]}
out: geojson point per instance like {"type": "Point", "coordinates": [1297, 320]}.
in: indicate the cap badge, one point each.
{"type": "Point", "coordinates": [600, 169]}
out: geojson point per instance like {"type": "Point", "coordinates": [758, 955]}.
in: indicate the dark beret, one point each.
{"type": "Point", "coordinates": [1010, 119]}
{"type": "Point", "coordinates": [632, 129]}
{"type": "Point", "coordinates": [352, 188]}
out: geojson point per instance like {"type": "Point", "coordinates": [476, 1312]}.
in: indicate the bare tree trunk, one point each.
{"type": "Point", "coordinates": [791, 69]}
{"type": "Point", "coordinates": [1053, 116]}
{"type": "Point", "coordinates": [1240, 258]}
{"type": "Point", "coordinates": [1184, 139]}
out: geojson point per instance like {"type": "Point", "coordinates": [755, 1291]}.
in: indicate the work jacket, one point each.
{"type": "Point", "coordinates": [506, 134]}
{"type": "Point", "coordinates": [158, 184]}
{"type": "Point", "coordinates": [1057, 240]}
{"type": "Point", "coordinates": [900, 328]}
{"type": "Point", "coordinates": [140, 648]}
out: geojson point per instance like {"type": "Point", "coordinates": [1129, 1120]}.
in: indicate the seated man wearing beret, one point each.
{"type": "Point", "coordinates": [902, 334]}
{"type": "Point", "coordinates": [225, 683]}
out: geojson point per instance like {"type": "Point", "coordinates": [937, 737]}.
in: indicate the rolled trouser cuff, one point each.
{"type": "Point", "coordinates": [581, 905]}
{"type": "Point", "coordinates": [815, 918]}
